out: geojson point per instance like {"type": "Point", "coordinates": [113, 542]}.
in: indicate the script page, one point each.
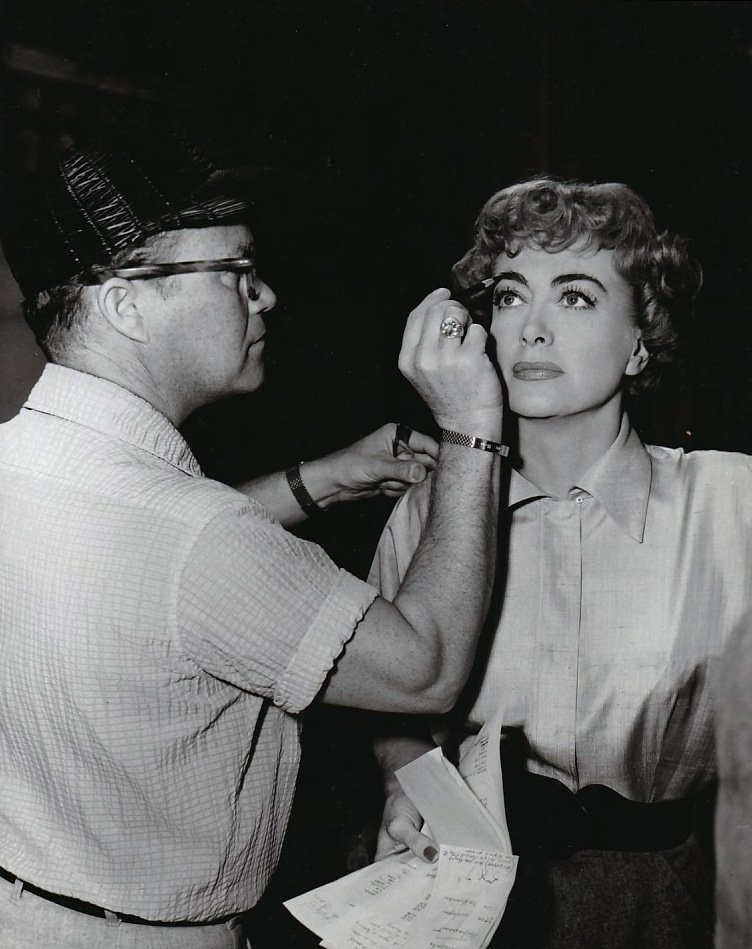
{"type": "Point", "coordinates": [403, 902]}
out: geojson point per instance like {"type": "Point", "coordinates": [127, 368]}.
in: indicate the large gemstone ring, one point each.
{"type": "Point", "coordinates": [451, 327]}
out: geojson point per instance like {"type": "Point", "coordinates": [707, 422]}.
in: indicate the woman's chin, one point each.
{"type": "Point", "coordinates": [534, 409]}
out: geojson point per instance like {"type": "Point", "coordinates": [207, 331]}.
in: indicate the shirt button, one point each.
{"type": "Point", "coordinates": [580, 500]}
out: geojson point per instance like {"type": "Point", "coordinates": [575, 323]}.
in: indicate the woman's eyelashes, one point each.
{"type": "Point", "coordinates": [571, 297]}
{"type": "Point", "coordinates": [504, 298]}
{"type": "Point", "coordinates": [575, 298]}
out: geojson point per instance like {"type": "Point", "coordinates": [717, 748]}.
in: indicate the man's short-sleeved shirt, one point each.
{"type": "Point", "coordinates": [612, 608]}
{"type": "Point", "coordinates": [159, 634]}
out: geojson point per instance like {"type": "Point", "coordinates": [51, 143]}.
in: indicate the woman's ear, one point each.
{"type": "Point", "coordinates": [121, 305]}
{"type": "Point", "coordinates": [638, 359]}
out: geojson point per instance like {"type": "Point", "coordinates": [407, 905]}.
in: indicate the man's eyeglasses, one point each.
{"type": "Point", "coordinates": [240, 265]}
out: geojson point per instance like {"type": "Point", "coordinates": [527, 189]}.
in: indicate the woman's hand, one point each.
{"type": "Point", "coordinates": [400, 830]}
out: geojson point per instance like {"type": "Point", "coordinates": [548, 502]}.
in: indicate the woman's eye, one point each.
{"type": "Point", "coordinates": [504, 298]}
{"type": "Point", "coordinates": [577, 300]}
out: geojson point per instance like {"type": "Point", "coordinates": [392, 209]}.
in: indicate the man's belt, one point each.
{"type": "Point", "coordinates": [545, 817]}
{"type": "Point", "coordinates": [89, 909]}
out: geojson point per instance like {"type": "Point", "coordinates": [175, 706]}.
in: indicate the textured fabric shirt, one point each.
{"type": "Point", "coordinates": [159, 634]}
{"type": "Point", "coordinates": [613, 606]}
{"type": "Point", "coordinates": [733, 828]}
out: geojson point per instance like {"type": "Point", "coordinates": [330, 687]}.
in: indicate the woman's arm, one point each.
{"type": "Point", "coordinates": [401, 821]}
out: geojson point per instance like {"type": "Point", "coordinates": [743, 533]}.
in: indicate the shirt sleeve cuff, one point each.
{"type": "Point", "coordinates": [330, 631]}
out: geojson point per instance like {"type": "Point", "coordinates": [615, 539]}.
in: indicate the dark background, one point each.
{"type": "Point", "coordinates": [388, 123]}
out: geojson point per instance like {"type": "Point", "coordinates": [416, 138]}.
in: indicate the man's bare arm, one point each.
{"type": "Point", "coordinates": [362, 470]}
{"type": "Point", "coordinates": [415, 654]}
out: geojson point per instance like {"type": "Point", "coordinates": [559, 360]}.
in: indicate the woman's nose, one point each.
{"type": "Point", "coordinates": [535, 330]}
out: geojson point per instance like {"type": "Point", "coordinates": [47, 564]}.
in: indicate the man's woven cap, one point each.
{"type": "Point", "coordinates": [100, 198]}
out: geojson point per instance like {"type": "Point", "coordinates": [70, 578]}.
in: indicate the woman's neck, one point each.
{"type": "Point", "coordinates": [556, 452]}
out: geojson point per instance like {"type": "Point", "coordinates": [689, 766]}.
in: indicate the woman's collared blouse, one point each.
{"type": "Point", "coordinates": [613, 608]}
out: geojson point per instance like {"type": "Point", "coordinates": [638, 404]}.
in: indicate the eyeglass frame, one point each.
{"type": "Point", "coordinates": [239, 265]}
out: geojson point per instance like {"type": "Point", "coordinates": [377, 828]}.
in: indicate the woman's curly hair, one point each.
{"type": "Point", "coordinates": [556, 215]}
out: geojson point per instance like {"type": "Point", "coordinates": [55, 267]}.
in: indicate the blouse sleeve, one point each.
{"type": "Point", "coordinates": [399, 540]}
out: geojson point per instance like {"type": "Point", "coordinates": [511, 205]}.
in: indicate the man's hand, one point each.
{"type": "Point", "coordinates": [452, 373]}
{"type": "Point", "coordinates": [369, 466]}
{"type": "Point", "coordinates": [363, 470]}
{"type": "Point", "coordinates": [400, 830]}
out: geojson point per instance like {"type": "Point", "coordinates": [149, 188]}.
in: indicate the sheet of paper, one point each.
{"type": "Point", "coordinates": [468, 899]}
{"type": "Point", "coordinates": [480, 767]}
{"type": "Point", "coordinates": [320, 910]}
{"type": "Point", "coordinates": [456, 817]}
{"type": "Point", "coordinates": [405, 903]}
{"type": "Point", "coordinates": [386, 921]}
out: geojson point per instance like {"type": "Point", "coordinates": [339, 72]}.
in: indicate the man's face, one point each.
{"type": "Point", "coordinates": [209, 332]}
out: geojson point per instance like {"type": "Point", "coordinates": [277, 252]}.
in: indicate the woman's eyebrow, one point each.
{"type": "Point", "coordinates": [569, 277]}
{"type": "Point", "coordinates": [510, 275]}
{"type": "Point", "coordinates": [484, 286]}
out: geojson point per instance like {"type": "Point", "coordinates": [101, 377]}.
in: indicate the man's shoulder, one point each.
{"type": "Point", "coordinates": [57, 461]}
{"type": "Point", "coordinates": [188, 501]}
{"type": "Point", "coordinates": [197, 501]}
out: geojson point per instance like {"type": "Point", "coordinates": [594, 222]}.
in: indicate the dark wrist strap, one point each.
{"type": "Point", "coordinates": [300, 492]}
{"type": "Point", "coordinates": [470, 441]}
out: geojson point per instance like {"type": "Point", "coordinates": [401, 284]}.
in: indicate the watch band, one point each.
{"type": "Point", "coordinates": [470, 441]}
{"type": "Point", "coordinates": [300, 492]}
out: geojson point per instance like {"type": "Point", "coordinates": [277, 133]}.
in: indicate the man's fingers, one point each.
{"type": "Point", "coordinates": [428, 461]}
{"type": "Point", "coordinates": [443, 328]}
{"type": "Point", "coordinates": [422, 445]}
{"type": "Point", "coordinates": [397, 470]}
{"type": "Point", "coordinates": [414, 325]}
{"type": "Point", "coordinates": [476, 337]}
{"type": "Point", "coordinates": [409, 472]}
{"type": "Point", "coordinates": [454, 322]}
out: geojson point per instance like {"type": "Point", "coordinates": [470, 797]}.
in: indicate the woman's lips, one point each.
{"type": "Point", "coordinates": [533, 371]}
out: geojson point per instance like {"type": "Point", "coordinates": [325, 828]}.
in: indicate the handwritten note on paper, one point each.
{"type": "Point", "coordinates": [386, 923]}
{"type": "Point", "coordinates": [405, 903]}
{"type": "Point", "coordinates": [480, 767]}
{"type": "Point", "coordinates": [325, 910]}
{"type": "Point", "coordinates": [468, 899]}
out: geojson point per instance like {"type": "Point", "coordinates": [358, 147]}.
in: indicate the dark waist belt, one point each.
{"type": "Point", "coordinates": [545, 817]}
{"type": "Point", "coordinates": [91, 910]}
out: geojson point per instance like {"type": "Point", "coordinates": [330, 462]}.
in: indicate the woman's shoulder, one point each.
{"type": "Point", "coordinates": [414, 502]}
{"type": "Point", "coordinates": [706, 465]}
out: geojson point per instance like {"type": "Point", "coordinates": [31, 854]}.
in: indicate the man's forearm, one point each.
{"type": "Point", "coordinates": [373, 465]}
{"type": "Point", "coordinates": [447, 588]}
{"type": "Point", "coordinates": [273, 491]}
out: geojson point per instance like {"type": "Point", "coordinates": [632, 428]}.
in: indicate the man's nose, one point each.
{"type": "Point", "coordinates": [264, 299]}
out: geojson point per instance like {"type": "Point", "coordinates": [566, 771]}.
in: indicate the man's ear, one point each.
{"type": "Point", "coordinates": [121, 304]}
{"type": "Point", "coordinates": [638, 359]}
